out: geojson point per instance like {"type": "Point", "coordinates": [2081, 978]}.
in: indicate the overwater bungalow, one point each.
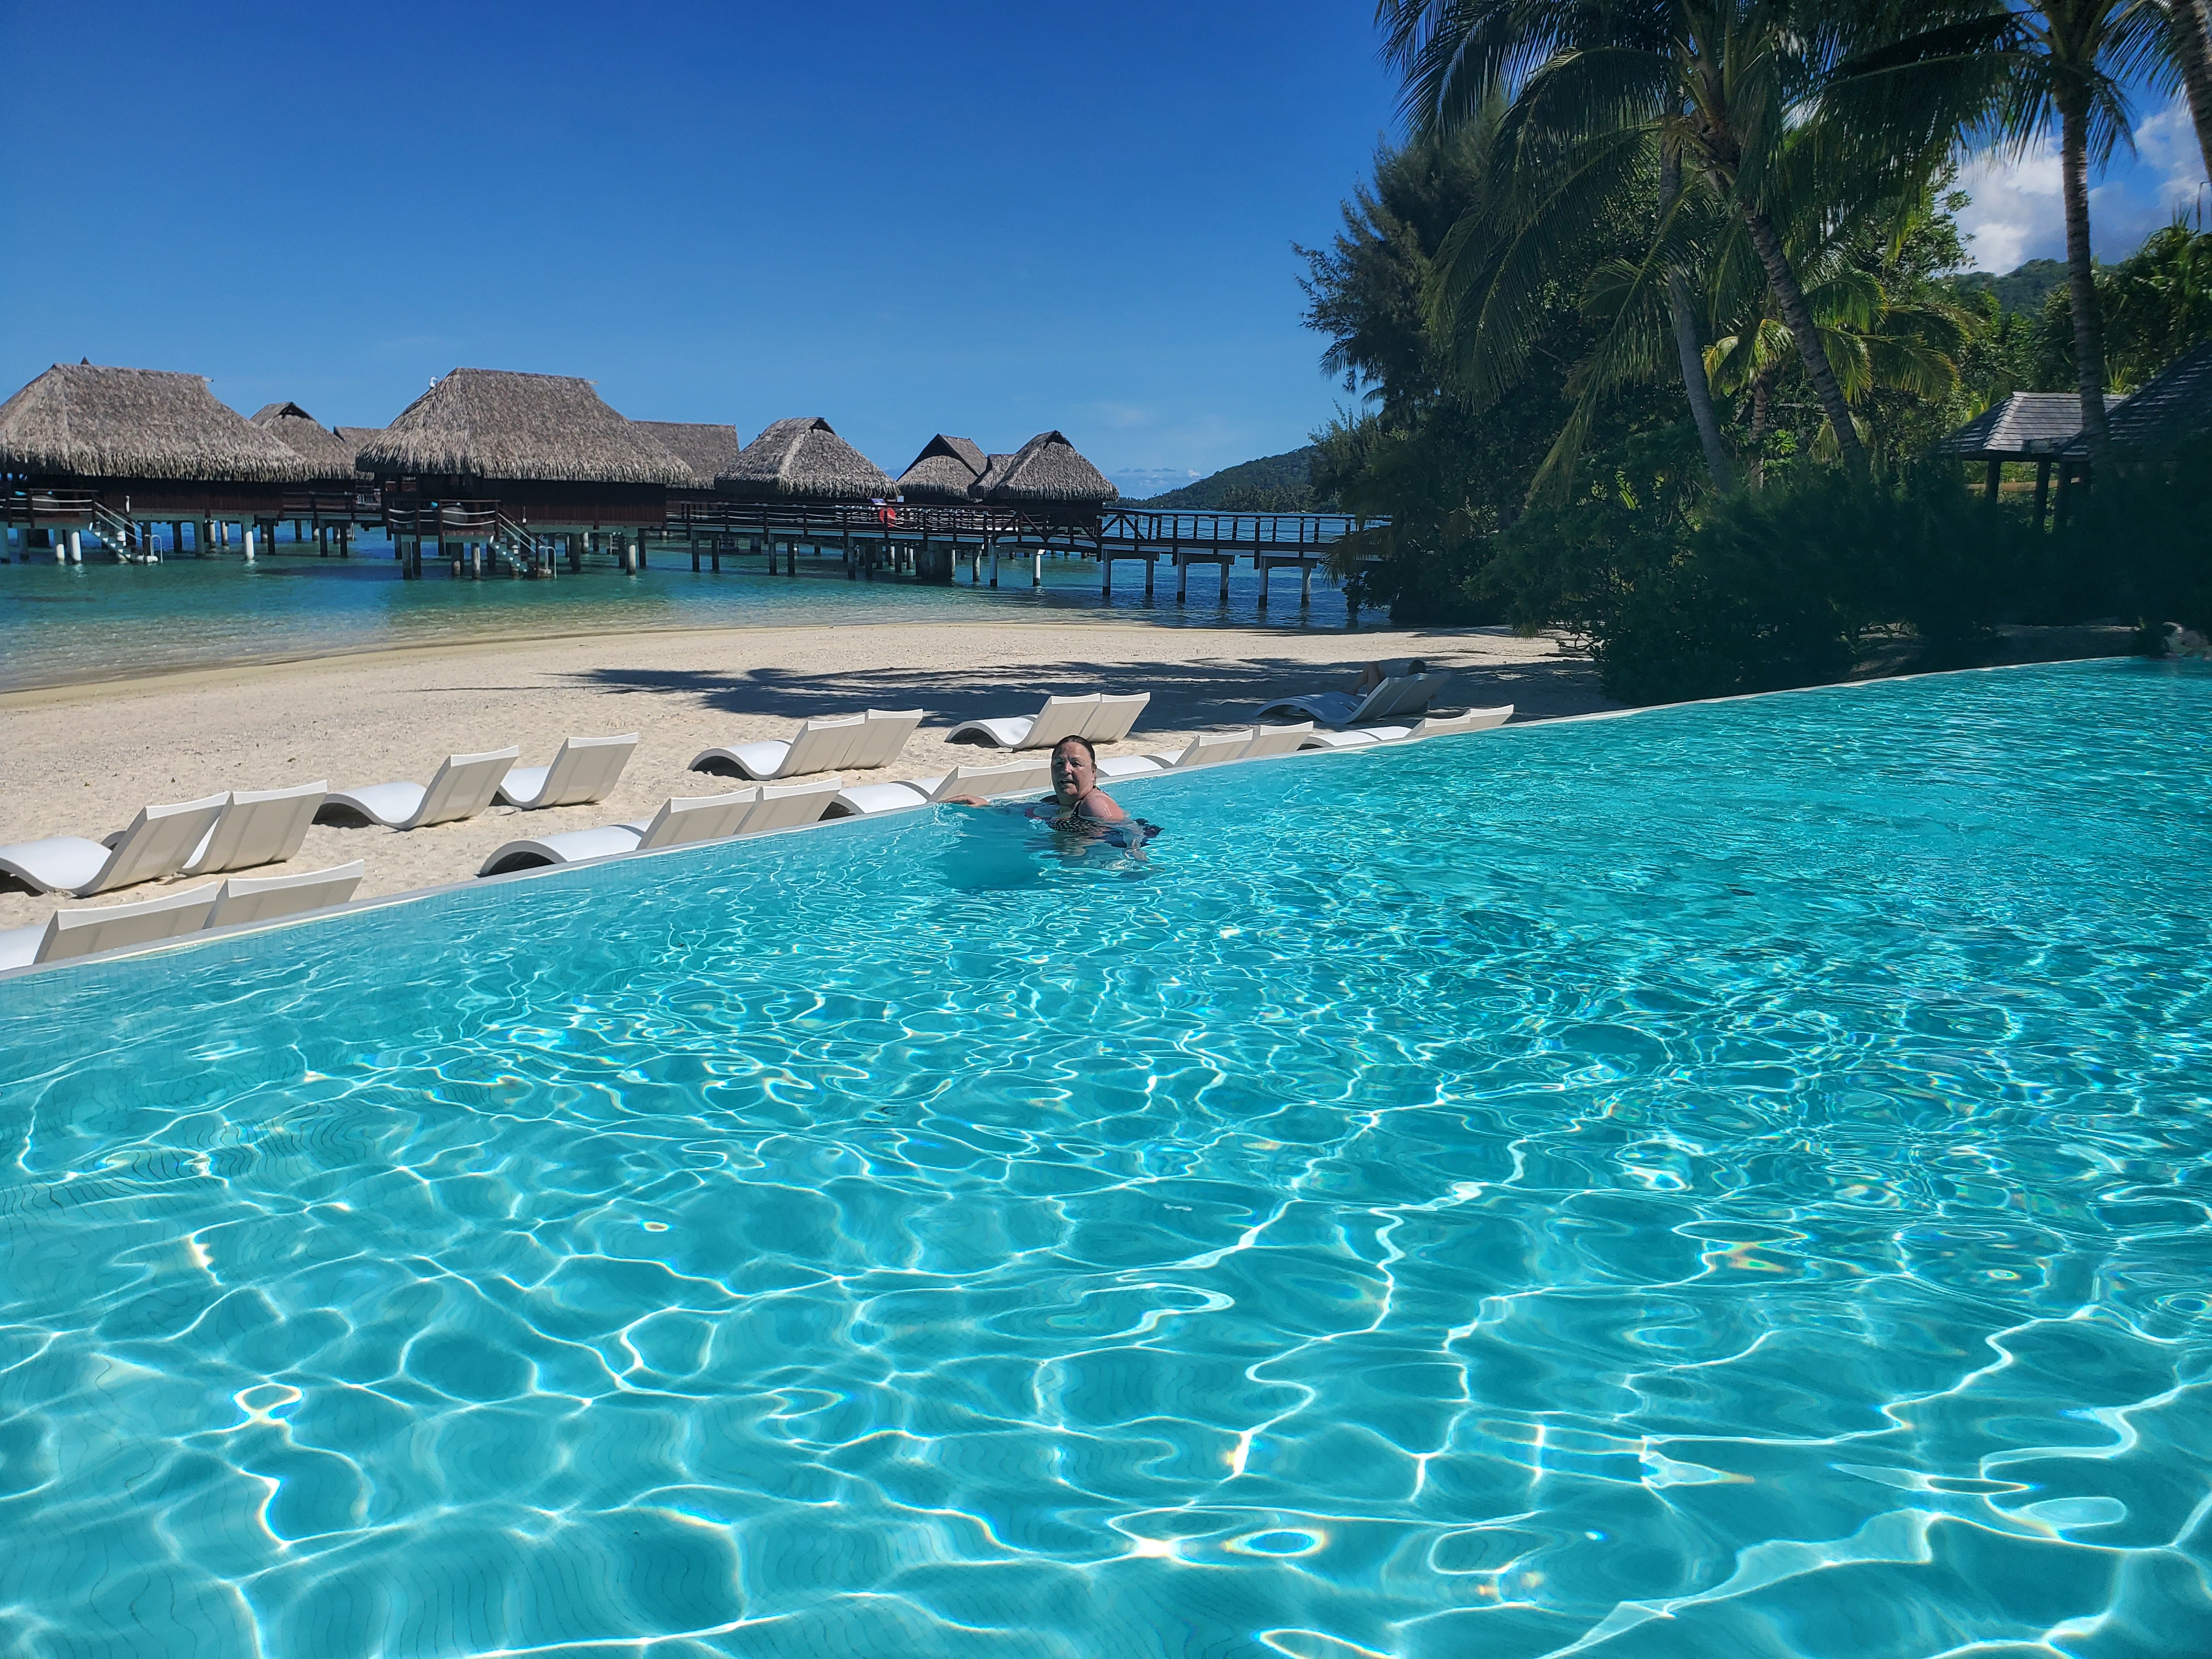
{"type": "Point", "coordinates": [496, 458]}
{"type": "Point", "coordinates": [91, 448]}
{"type": "Point", "coordinates": [708, 449]}
{"type": "Point", "coordinates": [802, 460]}
{"type": "Point", "coordinates": [1047, 478]}
{"type": "Point", "coordinates": [945, 471]}
{"type": "Point", "coordinates": [357, 437]}
{"type": "Point", "coordinates": [320, 446]}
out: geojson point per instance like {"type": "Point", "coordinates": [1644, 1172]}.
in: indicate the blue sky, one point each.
{"type": "Point", "coordinates": [979, 219]}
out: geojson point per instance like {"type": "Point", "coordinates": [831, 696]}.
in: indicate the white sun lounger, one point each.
{"type": "Point", "coordinates": [584, 769]}
{"type": "Point", "coordinates": [267, 899]}
{"type": "Point", "coordinates": [681, 821]}
{"type": "Point", "coordinates": [257, 826]}
{"type": "Point", "coordinates": [1405, 695]}
{"type": "Point", "coordinates": [1209, 748]}
{"type": "Point", "coordinates": [68, 934]}
{"type": "Point", "coordinates": [1100, 717]}
{"type": "Point", "coordinates": [828, 743]}
{"type": "Point", "coordinates": [1206, 749]}
{"type": "Point", "coordinates": [157, 843]}
{"type": "Point", "coordinates": [462, 788]}
{"type": "Point", "coordinates": [1277, 740]}
{"type": "Point", "coordinates": [1115, 716]}
{"type": "Point", "coordinates": [1060, 717]}
{"type": "Point", "coordinates": [1366, 736]}
{"type": "Point", "coordinates": [1024, 777]}
{"type": "Point", "coordinates": [793, 804]}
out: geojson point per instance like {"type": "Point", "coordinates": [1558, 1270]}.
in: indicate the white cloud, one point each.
{"type": "Point", "coordinates": [2017, 214]}
{"type": "Point", "coordinates": [2177, 176]}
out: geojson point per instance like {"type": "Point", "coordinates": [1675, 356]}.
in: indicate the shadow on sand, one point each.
{"type": "Point", "coordinates": [1185, 695]}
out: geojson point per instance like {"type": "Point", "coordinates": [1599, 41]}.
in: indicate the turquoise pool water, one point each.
{"type": "Point", "coordinates": [62, 624]}
{"type": "Point", "coordinates": [1730, 1181]}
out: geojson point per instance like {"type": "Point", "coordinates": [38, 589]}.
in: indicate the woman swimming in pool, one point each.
{"type": "Point", "coordinates": [1077, 805]}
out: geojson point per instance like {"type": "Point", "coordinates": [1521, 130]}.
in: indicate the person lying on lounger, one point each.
{"type": "Point", "coordinates": [1375, 672]}
{"type": "Point", "coordinates": [1077, 805]}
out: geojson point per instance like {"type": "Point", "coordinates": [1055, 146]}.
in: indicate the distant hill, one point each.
{"type": "Point", "coordinates": [1274, 483]}
{"type": "Point", "coordinates": [2021, 290]}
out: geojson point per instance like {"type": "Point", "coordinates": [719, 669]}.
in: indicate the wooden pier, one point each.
{"type": "Point", "coordinates": [931, 541]}
{"type": "Point", "coordinates": [479, 538]}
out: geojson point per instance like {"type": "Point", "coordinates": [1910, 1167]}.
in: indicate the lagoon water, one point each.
{"type": "Point", "coordinates": [59, 624]}
{"type": "Point", "coordinates": [1726, 1180]}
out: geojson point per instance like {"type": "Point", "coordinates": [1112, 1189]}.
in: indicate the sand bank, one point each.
{"type": "Point", "coordinates": [80, 761]}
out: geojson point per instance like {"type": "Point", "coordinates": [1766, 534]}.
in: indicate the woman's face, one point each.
{"type": "Point", "coordinates": [1073, 773]}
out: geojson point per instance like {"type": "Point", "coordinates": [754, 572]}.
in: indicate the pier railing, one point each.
{"type": "Point", "coordinates": [39, 507]}
{"type": "Point", "coordinates": [459, 520]}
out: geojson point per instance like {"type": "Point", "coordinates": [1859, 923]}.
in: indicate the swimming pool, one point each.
{"type": "Point", "coordinates": [1726, 1180]}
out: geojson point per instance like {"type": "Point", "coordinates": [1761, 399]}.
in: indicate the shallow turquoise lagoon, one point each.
{"type": "Point", "coordinates": [60, 624]}
{"type": "Point", "coordinates": [1726, 1182]}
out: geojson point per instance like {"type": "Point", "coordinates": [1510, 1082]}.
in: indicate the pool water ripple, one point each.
{"type": "Point", "coordinates": [1727, 1181]}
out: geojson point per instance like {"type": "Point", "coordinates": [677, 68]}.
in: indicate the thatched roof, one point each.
{"type": "Point", "coordinates": [945, 470]}
{"type": "Point", "coordinates": [2162, 417]}
{"type": "Point", "coordinates": [329, 453]}
{"type": "Point", "coordinates": [802, 457]}
{"type": "Point", "coordinates": [1045, 469]}
{"type": "Point", "coordinates": [2023, 426]}
{"type": "Point", "coordinates": [496, 424]}
{"type": "Point", "coordinates": [88, 421]}
{"type": "Point", "coordinates": [708, 449]}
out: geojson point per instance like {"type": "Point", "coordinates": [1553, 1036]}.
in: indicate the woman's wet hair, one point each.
{"type": "Point", "coordinates": [1088, 747]}
{"type": "Point", "coordinates": [1417, 665]}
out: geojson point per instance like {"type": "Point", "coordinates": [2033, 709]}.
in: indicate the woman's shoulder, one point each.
{"type": "Point", "coordinates": [1102, 806]}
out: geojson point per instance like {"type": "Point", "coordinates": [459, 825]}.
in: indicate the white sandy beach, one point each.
{"type": "Point", "coordinates": [82, 760]}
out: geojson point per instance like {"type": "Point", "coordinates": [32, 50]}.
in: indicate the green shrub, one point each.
{"type": "Point", "coordinates": [1780, 588]}
{"type": "Point", "coordinates": [2149, 533]}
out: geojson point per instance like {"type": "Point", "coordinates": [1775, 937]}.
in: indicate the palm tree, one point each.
{"type": "Point", "coordinates": [1599, 84]}
{"type": "Point", "coordinates": [1878, 342]}
{"type": "Point", "coordinates": [2069, 60]}
{"type": "Point", "coordinates": [2189, 43]}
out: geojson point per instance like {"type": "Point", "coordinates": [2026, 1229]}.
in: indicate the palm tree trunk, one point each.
{"type": "Point", "coordinates": [1797, 317]}
{"type": "Point", "coordinates": [1762, 410]}
{"type": "Point", "coordinates": [2189, 27]}
{"type": "Point", "coordinates": [1687, 346]}
{"type": "Point", "coordinates": [2081, 273]}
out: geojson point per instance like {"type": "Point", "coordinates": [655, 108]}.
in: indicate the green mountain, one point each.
{"type": "Point", "coordinates": [1273, 483]}
{"type": "Point", "coordinates": [2021, 290]}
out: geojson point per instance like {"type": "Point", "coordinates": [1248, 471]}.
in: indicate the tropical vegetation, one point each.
{"type": "Point", "coordinates": [1651, 324]}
